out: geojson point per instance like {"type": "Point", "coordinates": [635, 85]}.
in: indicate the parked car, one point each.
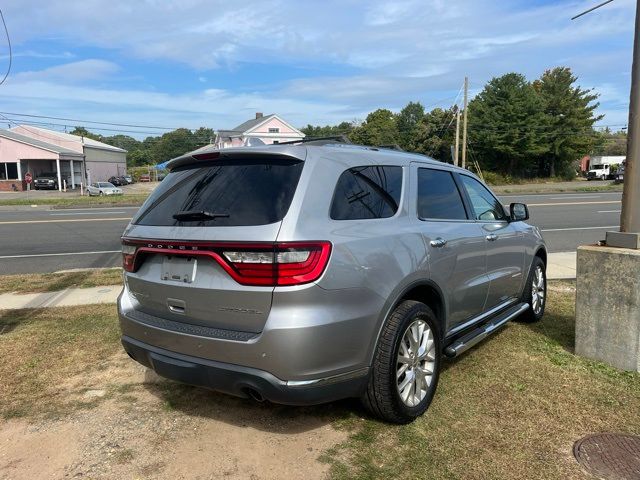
{"type": "Point", "coordinates": [145, 177]}
{"type": "Point", "coordinates": [46, 181]}
{"type": "Point", "coordinates": [303, 274]}
{"type": "Point", "coordinates": [117, 181]}
{"type": "Point", "coordinates": [103, 188]}
{"type": "Point", "coordinates": [127, 178]}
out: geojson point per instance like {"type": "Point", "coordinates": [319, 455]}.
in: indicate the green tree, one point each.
{"type": "Point", "coordinates": [610, 143]}
{"type": "Point", "coordinates": [408, 121]}
{"type": "Point", "coordinates": [203, 136]}
{"type": "Point", "coordinates": [569, 112]}
{"type": "Point", "coordinates": [122, 141]}
{"type": "Point", "coordinates": [378, 129]}
{"type": "Point", "coordinates": [343, 128]}
{"type": "Point", "coordinates": [435, 134]}
{"type": "Point", "coordinates": [505, 124]}
{"type": "Point", "coordinates": [138, 157]}
{"type": "Point", "coordinates": [83, 132]}
{"type": "Point", "coordinates": [170, 145]}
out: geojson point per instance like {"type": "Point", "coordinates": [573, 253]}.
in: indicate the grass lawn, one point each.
{"type": "Point", "coordinates": [41, 349]}
{"type": "Point", "coordinates": [78, 201]}
{"type": "Point", "coordinates": [509, 408]}
{"type": "Point", "coordinates": [51, 282]}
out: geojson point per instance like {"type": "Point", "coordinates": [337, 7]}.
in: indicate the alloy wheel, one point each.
{"type": "Point", "coordinates": [415, 363]}
{"type": "Point", "coordinates": [538, 292]}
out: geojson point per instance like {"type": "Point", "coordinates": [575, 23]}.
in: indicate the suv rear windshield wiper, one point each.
{"type": "Point", "coordinates": [195, 215]}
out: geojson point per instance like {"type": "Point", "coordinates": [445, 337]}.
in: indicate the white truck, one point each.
{"type": "Point", "coordinates": [604, 167]}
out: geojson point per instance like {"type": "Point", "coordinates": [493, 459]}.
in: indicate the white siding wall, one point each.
{"type": "Point", "coordinates": [103, 164]}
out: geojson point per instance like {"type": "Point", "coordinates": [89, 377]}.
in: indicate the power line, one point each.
{"type": "Point", "coordinates": [442, 129]}
{"type": "Point", "coordinates": [17, 121]}
{"type": "Point", "coordinates": [194, 141]}
{"type": "Point", "coordinates": [10, 52]}
{"type": "Point", "coordinates": [37, 124]}
{"type": "Point", "coordinates": [88, 121]}
{"type": "Point", "coordinates": [591, 9]}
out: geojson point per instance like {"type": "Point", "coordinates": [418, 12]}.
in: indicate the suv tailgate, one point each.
{"type": "Point", "coordinates": [245, 201]}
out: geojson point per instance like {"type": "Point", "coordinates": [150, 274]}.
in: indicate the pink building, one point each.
{"type": "Point", "coordinates": [73, 159]}
{"type": "Point", "coordinates": [270, 129]}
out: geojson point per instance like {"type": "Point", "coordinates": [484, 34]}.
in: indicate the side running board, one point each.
{"type": "Point", "coordinates": [478, 334]}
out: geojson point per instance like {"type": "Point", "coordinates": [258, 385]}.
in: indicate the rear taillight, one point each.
{"type": "Point", "coordinates": [258, 264]}
{"type": "Point", "coordinates": [128, 257]}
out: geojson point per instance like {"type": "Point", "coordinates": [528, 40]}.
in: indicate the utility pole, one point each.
{"type": "Point", "coordinates": [455, 154]}
{"type": "Point", "coordinates": [606, 314]}
{"type": "Point", "coordinates": [464, 123]}
{"type": "Point", "coordinates": [629, 235]}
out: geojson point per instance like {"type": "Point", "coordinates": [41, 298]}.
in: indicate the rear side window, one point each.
{"type": "Point", "coordinates": [229, 192]}
{"type": "Point", "coordinates": [438, 196]}
{"type": "Point", "coordinates": [367, 192]}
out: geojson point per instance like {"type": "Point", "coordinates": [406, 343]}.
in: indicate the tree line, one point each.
{"type": "Point", "coordinates": [515, 127]}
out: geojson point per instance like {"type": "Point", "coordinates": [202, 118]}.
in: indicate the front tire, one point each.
{"type": "Point", "coordinates": [406, 365]}
{"type": "Point", "coordinates": [535, 292]}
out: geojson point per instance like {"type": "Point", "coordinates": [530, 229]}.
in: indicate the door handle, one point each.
{"type": "Point", "coordinates": [492, 237]}
{"type": "Point", "coordinates": [438, 243]}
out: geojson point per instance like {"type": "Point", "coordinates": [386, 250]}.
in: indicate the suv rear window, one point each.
{"type": "Point", "coordinates": [367, 192]}
{"type": "Point", "coordinates": [233, 192]}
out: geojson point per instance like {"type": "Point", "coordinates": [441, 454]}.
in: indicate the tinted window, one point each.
{"type": "Point", "coordinates": [484, 204]}
{"type": "Point", "coordinates": [238, 192]}
{"type": "Point", "coordinates": [367, 192]}
{"type": "Point", "coordinates": [438, 196]}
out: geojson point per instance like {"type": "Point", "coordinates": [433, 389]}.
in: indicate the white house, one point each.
{"type": "Point", "coordinates": [270, 129]}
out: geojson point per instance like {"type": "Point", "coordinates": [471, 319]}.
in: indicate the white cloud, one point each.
{"type": "Point", "coordinates": [216, 108]}
{"type": "Point", "coordinates": [398, 50]}
{"type": "Point", "coordinates": [74, 72]}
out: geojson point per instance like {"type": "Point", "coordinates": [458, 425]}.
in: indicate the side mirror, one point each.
{"type": "Point", "coordinates": [519, 212]}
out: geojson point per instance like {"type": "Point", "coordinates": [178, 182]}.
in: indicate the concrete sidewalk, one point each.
{"type": "Point", "coordinates": [561, 266]}
{"type": "Point", "coordinates": [62, 298]}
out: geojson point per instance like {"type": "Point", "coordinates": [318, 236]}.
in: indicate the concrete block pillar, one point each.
{"type": "Point", "coordinates": [608, 306]}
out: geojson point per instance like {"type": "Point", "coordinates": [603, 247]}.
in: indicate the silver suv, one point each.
{"type": "Point", "coordinates": [305, 273]}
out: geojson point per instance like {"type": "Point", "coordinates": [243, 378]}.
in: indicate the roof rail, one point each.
{"type": "Point", "coordinates": [394, 146]}
{"type": "Point", "coordinates": [319, 140]}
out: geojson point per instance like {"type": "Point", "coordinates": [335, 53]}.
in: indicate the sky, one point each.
{"type": "Point", "coordinates": [191, 63]}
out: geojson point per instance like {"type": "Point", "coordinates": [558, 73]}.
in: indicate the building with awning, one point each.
{"type": "Point", "coordinates": [72, 158]}
{"type": "Point", "coordinates": [20, 154]}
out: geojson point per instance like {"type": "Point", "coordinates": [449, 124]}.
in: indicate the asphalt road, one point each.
{"type": "Point", "coordinates": [34, 241]}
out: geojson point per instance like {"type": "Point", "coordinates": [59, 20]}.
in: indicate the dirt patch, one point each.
{"type": "Point", "coordinates": [141, 426]}
{"type": "Point", "coordinates": [37, 451]}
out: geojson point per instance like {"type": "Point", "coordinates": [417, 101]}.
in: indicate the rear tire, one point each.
{"type": "Point", "coordinates": [535, 292]}
{"type": "Point", "coordinates": [406, 365]}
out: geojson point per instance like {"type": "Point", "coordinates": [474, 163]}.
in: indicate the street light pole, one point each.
{"type": "Point", "coordinates": [629, 235]}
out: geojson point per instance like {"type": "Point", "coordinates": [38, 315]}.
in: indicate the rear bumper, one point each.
{"type": "Point", "coordinates": [244, 381]}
